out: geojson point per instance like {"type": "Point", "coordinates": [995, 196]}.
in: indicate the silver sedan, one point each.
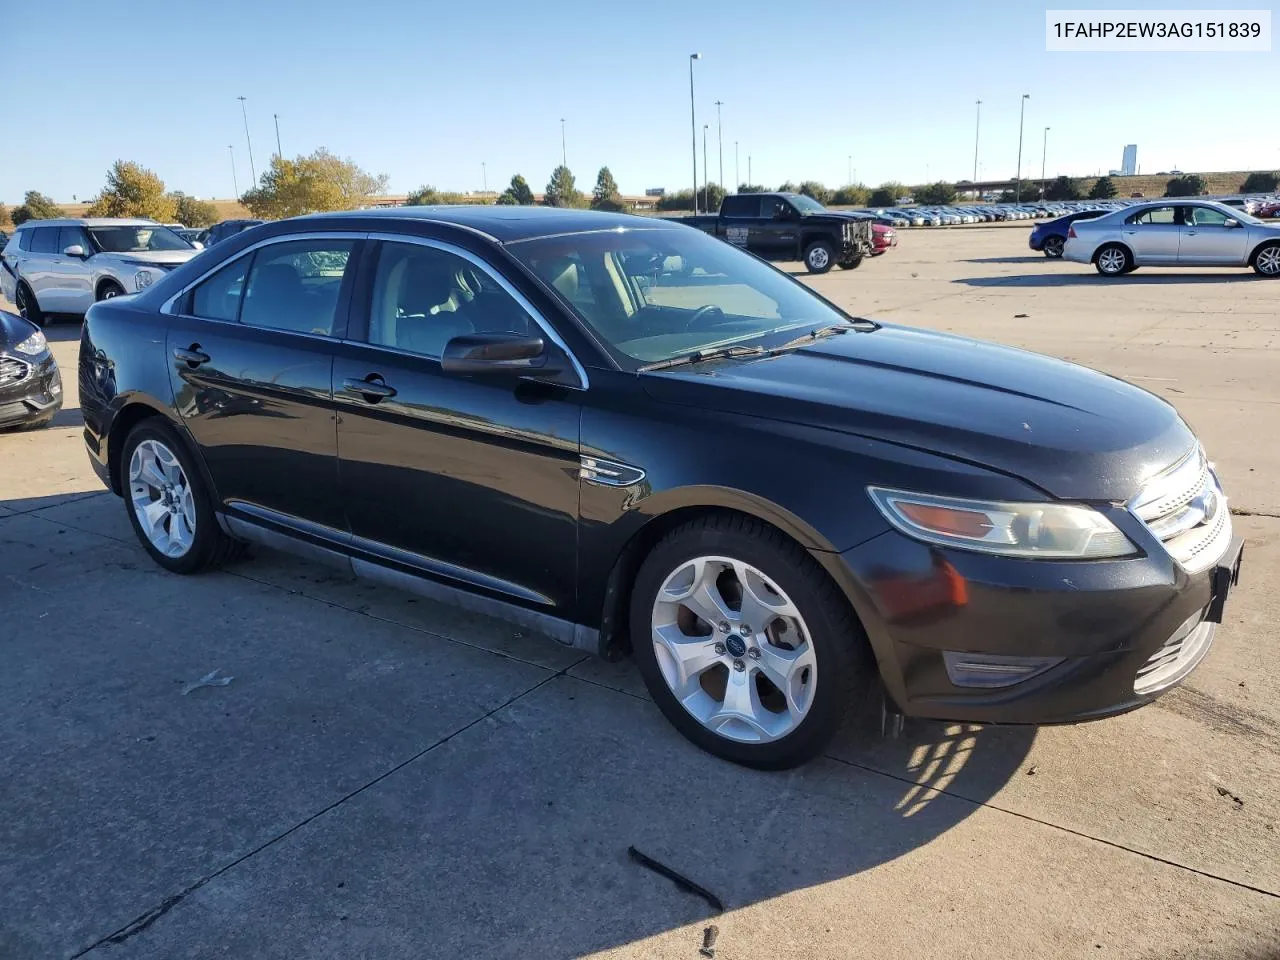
{"type": "Point", "coordinates": [1175, 233]}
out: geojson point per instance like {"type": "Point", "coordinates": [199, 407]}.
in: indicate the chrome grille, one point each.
{"type": "Point", "coordinates": [1186, 510]}
{"type": "Point", "coordinates": [13, 370]}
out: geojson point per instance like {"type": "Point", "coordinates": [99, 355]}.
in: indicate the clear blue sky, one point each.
{"type": "Point", "coordinates": [425, 92]}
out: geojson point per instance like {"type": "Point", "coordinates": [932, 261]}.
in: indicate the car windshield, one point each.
{"type": "Point", "coordinates": [806, 204]}
{"type": "Point", "coordinates": [136, 239]}
{"type": "Point", "coordinates": [655, 294]}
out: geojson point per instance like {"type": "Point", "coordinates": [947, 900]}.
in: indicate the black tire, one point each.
{"type": "Point", "coordinates": [28, 306]}
{"type": "Point", "coordinates": [210, 547]}
{"type": "Point", "coordinates": [846, 670]}
{"type": "Point", "coordinates": [819, 256]}
{"type": "Point", "coordinates": [853, 264]}
{"type": "Point", "coordinates": [1266, 253]}
{"type": "Point", "coordinates": [1105, 262]}
{"type": "Point", "coordinates": [108, 289]}
{"type": "Point", "coordinates": [1053, 247]}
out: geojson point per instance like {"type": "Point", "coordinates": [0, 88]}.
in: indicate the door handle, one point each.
{"type": "Point", "coordinates": [372, 388]}
{"type": "Point", "coordinates": [1130, 233]}
{"type": "Point", "coordinates": [192, 356]}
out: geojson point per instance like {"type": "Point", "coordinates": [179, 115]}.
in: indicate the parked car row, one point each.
{"type": "Point", "coordinates": [951, 215]}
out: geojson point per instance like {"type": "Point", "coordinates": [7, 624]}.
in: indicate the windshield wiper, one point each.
{"type": "Point", "coordinates": [817, 333]}
{"type": "Point", "coordinates": [698, 356]}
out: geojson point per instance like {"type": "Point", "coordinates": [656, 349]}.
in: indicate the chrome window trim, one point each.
{"type": "Point", "coordinates": [169, 307]}
{"type": "Point", "coordinates": [491, 272]}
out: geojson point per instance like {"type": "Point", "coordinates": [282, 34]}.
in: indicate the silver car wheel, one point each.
{"type": "Point", "coordinates": [1054, 246]}
{"type": "Point", "coordinates": [818, 258]}
{"type": "Point", "coordinates": [1269, 261]}
{"type": "Point", "coordinates": [162, 499]}
{"type": "Point", "coordinates": [734, 650]}
{"type": "Point", "coordinates": [1111, 260]}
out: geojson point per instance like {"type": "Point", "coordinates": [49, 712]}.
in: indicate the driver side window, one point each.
{"type": "Point", "coordinates": [1205, 217]}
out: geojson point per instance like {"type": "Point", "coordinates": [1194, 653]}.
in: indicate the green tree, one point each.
{"type": "Point", "coordinates": [423, 196]}
{"type": "Point", "coordinates": [751, 188]}
{"type": "Point", "coordinates": [562, 191]}
{"type": "Point", "coordinates": [133, 191]}
{"type": "Point", "coordinates": [4, 214]}
{"type": "Point", "coordinates": [1187, 185]}
{"type": "Point", "coordinates": [887, 194]}
{"type": "Point", "coordinates": [605, 195]}
{"type": "Point", "coordinates": [940, 192]}
{"type": "Point", "coordinates": [520, 190]}
{"type": "Point", "coordinates": [680, 200]}
{"type": "Point", "coordinates": [1063, 188]}
{"type": "Point", "coordinates": [506, 199]}
{"type": "Point", "coordinates": [311, 184]}
{"type": "Point", "coordinates": [851, 195]}
{"type": "Point", "coordinates": [710, 197]}
{"type": "Point", "coordinates": [35, 206]}
{"type": "Point", "coordinates": [787, 187]}
{"type": "Point", "coordinates": [1260, 182]}
{"type": "Point", "coordinates": [816, 191]}
{"type": "Point", "coordinates": [1008, 196]}
{"type": "Point", "coordinates": [193, 212]}
{"type": "Point", "coordinates": [1103, 189]}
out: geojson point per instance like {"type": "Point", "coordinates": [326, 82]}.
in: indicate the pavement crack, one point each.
{"type": "Point", "coordinates": [1240, 884]}
{"type": "Point", "coordinates": [145, 920]}
{"type": "Point", "coordinates": [1246, 512]}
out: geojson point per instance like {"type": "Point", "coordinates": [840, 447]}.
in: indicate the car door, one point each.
{"type": "Point", "coordinates": [251, 354]}
{"type": "Point", "coordinates": [470, 481]}
{"type": "Point", "coordinates": [72, 275]}
{"type": "Point", "coordinates": [776, 233]}
{"type": "Point", "coordinates": [38, 268]}
{"type": "Point", "coordinates": [1207, 240]}
{"type": "Point", "coordinates": [1153, 234]}
{"type": "Point", "coordinates": [740, 218]}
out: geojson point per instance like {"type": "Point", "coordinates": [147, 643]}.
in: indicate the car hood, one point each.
{"type": "Point", "coordinates": [158, 257]}
{"type": "Point", "coordinates": [1073, 432]}
{"type": "Point", "coordinates": [13, 329]}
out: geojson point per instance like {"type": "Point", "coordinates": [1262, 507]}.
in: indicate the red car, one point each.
{"type": "Point", "coordinates": [882, 238]}
{"type": "Point", "coordinates": [1269, 208]}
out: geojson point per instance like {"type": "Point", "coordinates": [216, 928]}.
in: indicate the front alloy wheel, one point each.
{"type": "Point", "coordinates": [1267, 260]}
{"type": "Point", "coordinates": [162, 500]}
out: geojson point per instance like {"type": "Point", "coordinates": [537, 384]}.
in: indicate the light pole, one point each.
{"type": "Point", "coordinates": [1017, 181]}
{"type": "Point", "coordinates": [748, 168]}
{"type": "Point", "coordinates": [484, 176]}
{"type": "Point", "coordinates": [737, 179]}
{"type": "Point", "coordinates": [234, 182]}
{"type": "Point", "coordinates": [720, 140]}
{"type": "Point", "coordinates": [1044, 150]}
{"type": "Point", "coordinates": [693, 131]}
{"type": "Point", "coordinates": [279, 152]}
{"type": "Point", "coordinates": [977, 126]}
{"type": "Point", "coordinates": [252, 172]}
{"type": "Point", "coordinates": [564, 162]}
{"type": "Point", "coordinates": [706, 180]}
{"type": "Point", "coordinates": [849, 179]}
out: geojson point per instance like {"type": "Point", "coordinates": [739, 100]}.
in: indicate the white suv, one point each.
{"type": "Point", "coordinates": [65, 266]}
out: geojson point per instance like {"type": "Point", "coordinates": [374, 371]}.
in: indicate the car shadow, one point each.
{"type": "Point", "coordinates": [1093, 279]}
{"type": "Point", "coordinates": [62, 328]}
{"type": "Point", "coordinates": [1027, 258]}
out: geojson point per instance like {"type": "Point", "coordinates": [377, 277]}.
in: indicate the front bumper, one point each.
{"type": "Point", "coordinates": [1107, 636]}
{"type": "Point", "coordinates": [36, 395]}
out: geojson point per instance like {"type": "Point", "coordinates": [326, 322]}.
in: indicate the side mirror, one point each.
{"type": "Point", "coordinates": [75, 250]}
{"type": "Point", "coordinates": [511, 353]}
{"type": "Point", "coordinates": [1231, 223]}
{"type": "Point", "coordinates": [197, 244]}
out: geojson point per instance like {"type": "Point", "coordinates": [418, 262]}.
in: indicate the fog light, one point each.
{"type": "Point", "coordinates": [992, 670]}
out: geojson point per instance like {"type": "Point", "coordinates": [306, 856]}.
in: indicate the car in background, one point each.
{"type": "Point", "coordinates": [1050, 237]}
{"type": "Point", "coordinates": [542, 413]}
{"type": "Point", "coordinates": [30, 384]}
{"type": "Point", "coordinates": [227, 228]}
{"type": "Point", "coordinates": [190, 234]}
{"type": "Point", "coordinates": [883, 237]}
{"type": "Point", "coordinates": [1269, 208]}
{"type": "Point", "coordinates": [1175, 233]}
{"type": "Point", "coordinates": [67, 265]}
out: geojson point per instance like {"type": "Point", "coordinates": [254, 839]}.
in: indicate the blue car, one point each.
{"type": "Point", "coordinates": [1051, 236]}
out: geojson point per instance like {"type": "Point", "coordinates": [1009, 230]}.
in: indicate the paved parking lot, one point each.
{"type": "Point", "coordinates": [384, 777]}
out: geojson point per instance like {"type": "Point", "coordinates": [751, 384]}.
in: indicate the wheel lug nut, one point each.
{"type": "Point", "coordinates": [719, 648]}
{"type": "Point", "coordinates": [724, 626]}
{"type": "Point", "coordinates": [739, 665]}
{"type": "Point", "coordinates": [754, 653]}
{"type": "Point", "coordinates": [744, 628]}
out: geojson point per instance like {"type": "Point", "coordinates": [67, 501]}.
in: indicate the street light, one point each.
{"type": "Point", "coordinates": [720, 140]}
{"type": "Point", "coordinates": [252, 172]}
{"type": "Point", "coordinates": [234, 182]}
{"type": "Point", "coordinates": [737, 179]}
{"type": "Point", "coordinates": [693, 131]}
{"type": "Point", "coordinates": [279, 152]}
{"type": "Point", "coordinates": [977, 125]}
{"type": "Point", "coordinates": [1017, 181]}
{"type": "Point", "coordinates": [1044, 150]}
{"type": "Point", "coordinates": [484, 176]}
{"type": "Point", "coordinates": [849, 179]}
{"type": "Point", "coordinates": [563, 156]}
{"type": "Point", "coordinates": [706, 180]}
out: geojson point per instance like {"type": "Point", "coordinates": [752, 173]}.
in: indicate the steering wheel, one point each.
{"type": "Point", "coordinates": [709, 310]}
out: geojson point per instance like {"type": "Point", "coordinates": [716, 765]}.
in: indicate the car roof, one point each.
{"type": "Point", "coordinates": [506, 224]}
{"type": "Point", "coordinates": [92, 222]}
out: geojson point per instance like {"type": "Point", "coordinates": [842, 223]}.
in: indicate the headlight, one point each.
{"type": "Point", "coordinates": [143, 279]}
{"type": "Point", "coordinates": [1045, 531]}
{"type": "Point", "coordinates": [34, 345]}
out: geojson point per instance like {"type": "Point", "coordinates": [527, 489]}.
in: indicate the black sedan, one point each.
{"type": "Point", "coordinates": [30, 385]}
{"type": "Point", "coordinates": [636, 438]}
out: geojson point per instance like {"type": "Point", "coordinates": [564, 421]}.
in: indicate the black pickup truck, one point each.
{"type": "Point", "coordinates": [789, 226]}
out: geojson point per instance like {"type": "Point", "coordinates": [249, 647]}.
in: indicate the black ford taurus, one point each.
{"type": "Point", "coordinates": [635, 438]}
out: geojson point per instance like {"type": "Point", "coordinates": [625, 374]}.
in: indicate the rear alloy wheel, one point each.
{"type": "Point", "coordinates": [27, 306]}
{"type": "Point", "coordinates": [1053, 247]}
{"type": "Point", "coordinates": [1113, 260]}
{"type": "Point", "coordinates": [109, 290]}
{"type": "Point", "coordinates": [745, 644]}
{"type": "Point", "coordinates": [1266, 261]}
{"type": "Point", "coordinates": [819, 256]}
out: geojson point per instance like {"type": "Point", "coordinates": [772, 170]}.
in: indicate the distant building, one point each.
{"type": "Point", "coordinates": [1129, 162]}
{"type": "Point", "coordinates": [1114, 173]}
{"type": "Point", "coordinates": [656, 192]}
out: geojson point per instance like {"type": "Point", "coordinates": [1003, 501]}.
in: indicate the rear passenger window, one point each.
{"type": "Point", "coordinates": [295, 286]}
{"type": "Point", "coordinates": [218, 297]}
{"type": "Point", "coordinates": [44, 240]}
